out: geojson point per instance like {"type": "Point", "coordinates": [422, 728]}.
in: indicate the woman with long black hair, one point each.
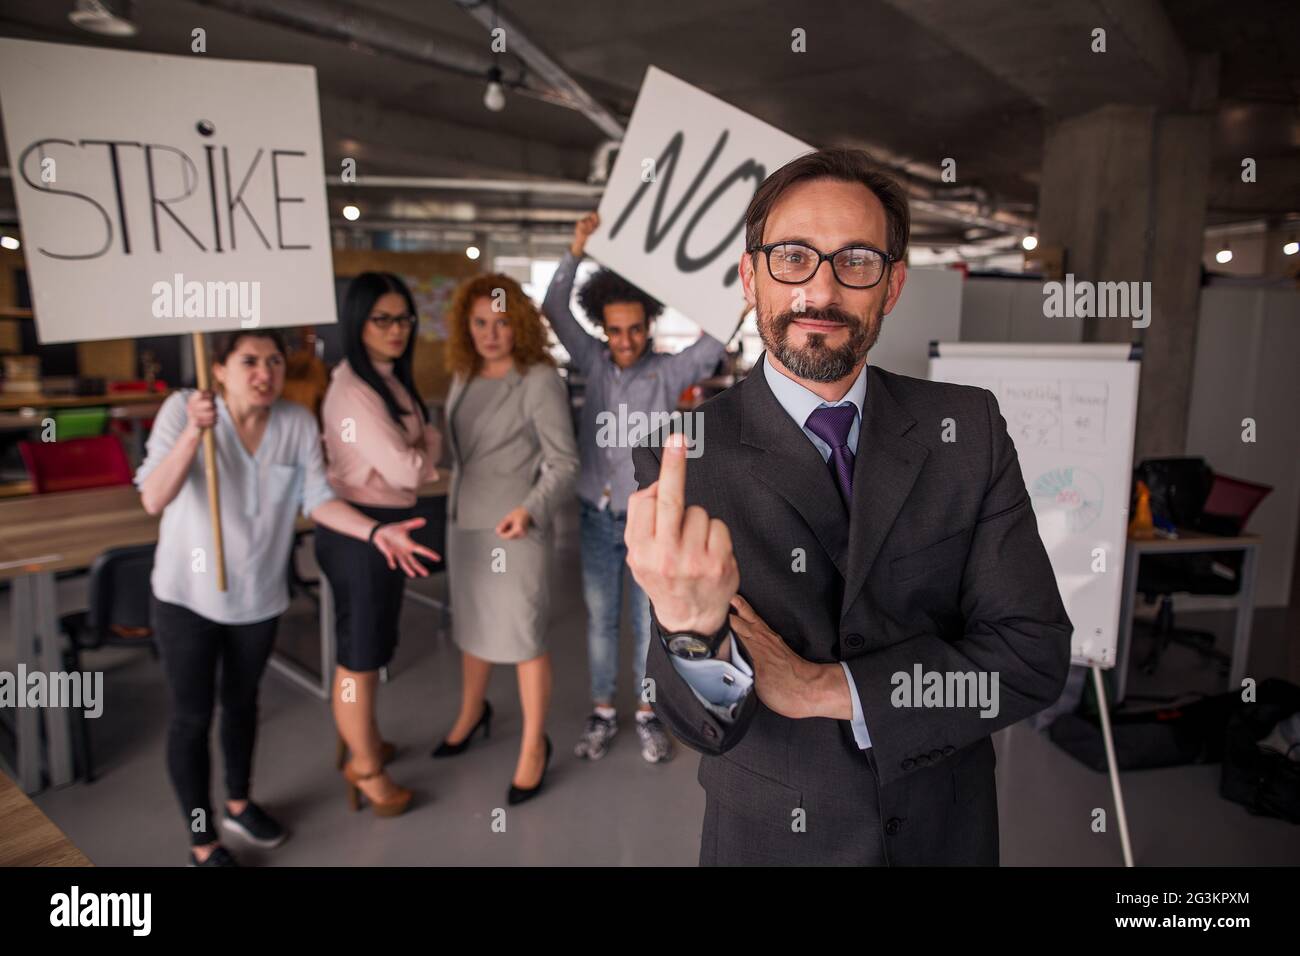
{"type": "Point", "coordinates": [380, 447]}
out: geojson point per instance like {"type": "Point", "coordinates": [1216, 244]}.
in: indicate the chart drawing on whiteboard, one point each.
{"type": "Point", "coordinates": [1074, 491]}
{"type": "Point", "coordinates": [1085, 416]}
{"type": "Point", "coordinates": [1054, 414]}
{"type": "Point", "coordinates": [1070, 410]}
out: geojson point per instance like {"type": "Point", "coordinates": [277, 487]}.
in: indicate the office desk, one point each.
{"type": "Point", "coordinates": [1189, 542]}
{"type": "Point", "coordinates": [16, 401]}
{"type": "Point", "coordinates": [28, 837]}
{"type": "Point", "coordinates": [41, 535]}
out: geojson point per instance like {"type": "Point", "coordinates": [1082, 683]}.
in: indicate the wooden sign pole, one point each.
{"type": "Point", "coordinates": [202, 371]}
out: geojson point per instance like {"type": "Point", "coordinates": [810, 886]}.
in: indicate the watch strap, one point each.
{"type": "Point", "coordinates": [692, 645]}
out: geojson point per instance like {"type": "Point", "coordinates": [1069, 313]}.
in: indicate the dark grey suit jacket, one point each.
{"type": "Point", "coordinates": [941, 564]}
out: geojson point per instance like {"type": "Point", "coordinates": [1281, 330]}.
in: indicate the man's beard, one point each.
{"type": "Point", "coordinates": [816, 361]}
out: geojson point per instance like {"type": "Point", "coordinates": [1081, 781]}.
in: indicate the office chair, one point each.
{"type": "Point", "coordinates": [1188, 495]}
{"type": "Point", "coordinates": [118, 616]}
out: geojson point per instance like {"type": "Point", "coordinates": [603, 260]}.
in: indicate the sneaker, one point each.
{"type": "Point", "coordinates": [218, 857]}
{"type": "Point", "coordinates": [656, 745]}
{"type": "Point", "coordinates": [255, 826]}
{"type": "Point", "coordinates": [596, 736]}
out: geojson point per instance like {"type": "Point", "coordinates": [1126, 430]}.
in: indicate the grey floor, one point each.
{"type": "Point", "coordinates": [620, 811]}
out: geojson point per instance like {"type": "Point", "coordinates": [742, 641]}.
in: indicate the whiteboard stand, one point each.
{"type": "Point", "coordinates": [1121, 818]}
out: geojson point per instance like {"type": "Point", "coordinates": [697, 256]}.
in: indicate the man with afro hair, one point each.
{"type": "Point", "coordinates": [624, 376]}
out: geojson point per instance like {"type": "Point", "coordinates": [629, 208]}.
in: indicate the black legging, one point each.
{"type": "Point", "coordinates": [192, 647]}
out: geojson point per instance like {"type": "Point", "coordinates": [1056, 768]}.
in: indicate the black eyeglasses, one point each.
{"type": "Point", "coordinates": [385, 322]}
{"type": "Point", "coordinates": [858, 267]}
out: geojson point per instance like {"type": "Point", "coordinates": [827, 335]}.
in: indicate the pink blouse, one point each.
{"type": "Point", "coordinates": [373, 460]}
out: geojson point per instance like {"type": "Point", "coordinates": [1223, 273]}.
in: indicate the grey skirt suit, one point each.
{"type": "Point", "coordinates": [512, 444]}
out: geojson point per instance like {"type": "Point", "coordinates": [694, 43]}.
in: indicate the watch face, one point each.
{"type": "Point", "coordinates": [689, 646]}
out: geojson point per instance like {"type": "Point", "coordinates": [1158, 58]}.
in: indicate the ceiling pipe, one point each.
{"type": "Point", "coordinates": [378, 33]}
{"type": "Point", "coordinates": [546, 186]}
{"type": "Point", "coordinates": [539, 62]}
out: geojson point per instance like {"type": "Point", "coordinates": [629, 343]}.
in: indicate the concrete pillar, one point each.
{"type": "Point", "coordinates": [1124, 192]}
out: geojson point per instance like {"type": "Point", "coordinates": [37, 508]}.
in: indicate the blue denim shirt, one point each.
{"type": "Point", "coordinates": [650, 385]}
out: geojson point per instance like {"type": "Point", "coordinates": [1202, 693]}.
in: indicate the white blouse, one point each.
{"type": "Point", "coordinates": [261, 496]}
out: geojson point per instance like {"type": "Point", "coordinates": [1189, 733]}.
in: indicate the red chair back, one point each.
{"type": "Point", "coordinates": [1234, 498]}
{"type": "Point", "coordinates": [135, 386]}
{"type": "Point", "coordinates": [76, 464]}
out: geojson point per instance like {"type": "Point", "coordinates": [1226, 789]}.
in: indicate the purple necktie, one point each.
{"type": "Point", "coordinates": [831, 423]}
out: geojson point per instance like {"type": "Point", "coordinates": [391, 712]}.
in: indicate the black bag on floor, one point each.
{"type": "Point", "coordinates": [1262, 780]}
{"type": "Point", "coordinates": [1163, 737]}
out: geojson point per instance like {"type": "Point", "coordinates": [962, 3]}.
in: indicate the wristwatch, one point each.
{"type": "Point", "coordinates": [692, 645]}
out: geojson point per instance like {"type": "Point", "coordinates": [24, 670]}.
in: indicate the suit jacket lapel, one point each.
{"type": "Point", "coordinates": [454, 395]}
{"type": "Point", "coordinates": [783, 459]}
{"type": "Point", "coordinates": [484, 427]}
{"type": "Point", "coordinates": [885, 467]}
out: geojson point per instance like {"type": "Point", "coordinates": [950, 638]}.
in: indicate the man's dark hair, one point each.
{"type": "Point", "coordinates": [605, 288]}
{"type": "Point", "coordinates": [842, 164]}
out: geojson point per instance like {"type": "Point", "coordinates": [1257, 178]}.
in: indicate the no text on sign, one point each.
{"type": "Point", "coordinates": [672, 215]}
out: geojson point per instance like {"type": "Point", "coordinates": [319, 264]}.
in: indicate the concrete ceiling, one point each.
{"type": "Point", "coordinates": [914, 80]}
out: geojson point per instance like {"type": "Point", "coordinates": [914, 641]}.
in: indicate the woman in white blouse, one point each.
{"type": "Point", "coordinates": [269, 467]}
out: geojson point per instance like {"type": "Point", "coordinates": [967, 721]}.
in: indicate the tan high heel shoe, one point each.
{"type": "Point", "coordinates": [387, 752]}
{"type": "Point", "coordinates": [396, 805]}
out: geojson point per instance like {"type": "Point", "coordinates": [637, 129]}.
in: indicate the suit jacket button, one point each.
{"type": "Point", "coordinates": [947, 751]}
{"type": "Point", "coordinates": [908, 764]}
{"type": "Point", "coordinates": [854, 641]}
{"type": "Point", "coordinates": [923, 760]}
{"type": "Point", "coordinates": [709, 731]}
{"type": "Point", "coordinates": [893, 825]}
{"type": "Point", "coordinates": [936, 754]}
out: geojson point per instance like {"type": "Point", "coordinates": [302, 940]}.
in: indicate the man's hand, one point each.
{"type": "Point", "coordinates": [680, 556]}
{"type": "Point", "coordinates": [784, 681]}
{"type": "Point", "coordinates": [582, 232]}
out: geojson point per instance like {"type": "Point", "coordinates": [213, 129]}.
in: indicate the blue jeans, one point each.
{"type": "Point", "coordinates": [604, 559]}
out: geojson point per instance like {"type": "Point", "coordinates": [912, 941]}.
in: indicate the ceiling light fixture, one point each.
{"type": "Point", "coordinates": [495, 97]}
{"type": "Point", "coordinates": [110, 18]}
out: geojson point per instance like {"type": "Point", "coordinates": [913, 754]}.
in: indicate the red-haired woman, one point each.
{"type": "Point", "coordinates": [514, 463]}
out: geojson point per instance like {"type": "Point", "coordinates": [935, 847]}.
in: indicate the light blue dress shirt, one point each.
{"type": "Point", "coordinates": [722, 686]}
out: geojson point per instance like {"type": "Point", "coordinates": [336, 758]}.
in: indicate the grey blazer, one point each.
{"type": "Point", "coordinates": [940, 566]}
{"type": "Point", "coordinates": [522, 452]}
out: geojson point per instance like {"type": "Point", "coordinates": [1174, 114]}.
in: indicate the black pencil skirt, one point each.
{"type": "Point", "coordinates": [367, 593]}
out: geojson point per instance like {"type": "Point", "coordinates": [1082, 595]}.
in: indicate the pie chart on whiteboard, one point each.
{"type": "Point", "coordinates": [1072, 491]}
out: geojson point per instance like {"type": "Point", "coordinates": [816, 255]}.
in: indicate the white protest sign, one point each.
{"type": "Point", "coordinates": [166, 194]}
{"type": "Point", "coordinates": [672, 216]}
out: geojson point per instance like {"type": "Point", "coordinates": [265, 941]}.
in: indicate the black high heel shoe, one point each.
{"type": "Point", "coordinates": [445, 749]}
{"type": "Point", "coordinates": [518, 795]}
